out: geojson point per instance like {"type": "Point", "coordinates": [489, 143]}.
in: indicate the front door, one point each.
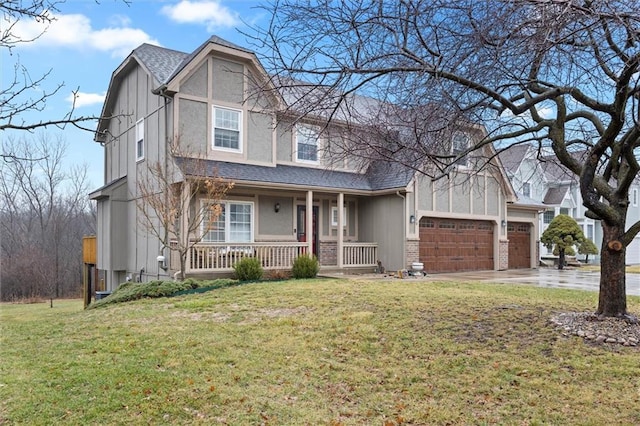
{"type": "Point", "coordinates": [302, 227]}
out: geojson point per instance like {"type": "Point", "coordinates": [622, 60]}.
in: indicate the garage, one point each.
{"type": "Point", "coordinates": [450, 245]}
{"type": "Point", "coordinates": [519, 236]}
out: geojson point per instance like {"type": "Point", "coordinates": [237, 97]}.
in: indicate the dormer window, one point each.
{"type": "Point", "coordinates": [459, 144]}
{"type": "Point", "coordinates": [306, 144]}
{"type": "Point", "coordinates": [526, 189]}
{"type": "Point", "coordinates": [227, 129]}
{"type": "Point", "coordinates": [140, 140]}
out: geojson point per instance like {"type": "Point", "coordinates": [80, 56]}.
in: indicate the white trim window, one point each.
{"type": "Point", "coordinates": [234, 224]}
{"type": "Point", "coordinates": [334, 216]}
{"type": "Point", "coordinates": [459, 144]}
{"type": "Point", "coordinates": [307, 144]}
{"type": "Point", "coordinates": [227, 129]}
{"type": "Point", "coordinates": [634, 197]}
{"type": "Point", "coordinates": [526, 189]}
{"type": "Point", "coordinates": [140, 140]}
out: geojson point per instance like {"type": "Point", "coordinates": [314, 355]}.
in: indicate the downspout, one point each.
{"type": "Point", "coordinates": [161, 91]}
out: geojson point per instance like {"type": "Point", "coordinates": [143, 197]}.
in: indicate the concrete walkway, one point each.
{"type": "Point", "coordinates": [544, 277]}
{"type": "Point", "coordinates": [572, 278]}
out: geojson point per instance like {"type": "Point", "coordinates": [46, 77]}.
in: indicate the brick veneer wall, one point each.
{"type": "Point", "coordinates": [412, 248]}
{"type": "Point", "coordinates": [328, 254]}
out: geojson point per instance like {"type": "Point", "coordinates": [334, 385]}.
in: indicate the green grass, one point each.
{"type": "Point", "coordinates": [327, 352]}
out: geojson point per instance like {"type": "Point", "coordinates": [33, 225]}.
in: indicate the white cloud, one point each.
{"type": "Point", "coordinates": [85, 99]}
{"type": "Point", "coordinates": [207, 12]}
{"type": "Point", "coordinates": [75, 31]}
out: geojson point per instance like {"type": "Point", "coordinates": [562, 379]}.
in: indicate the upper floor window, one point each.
{"type": "Point", "coordinates": [234, 223]}
{"type": "Point", "coordinates": [526, 189]}
{"type": "Point", "coordinates": [564, 210]}
{"type": "Point", "coordinates": [227, 129]}
{"type": "Point", "coordinates": [634, 197]}
{"type": "Point", "coordinates": [139, 140]}
{"type": "Point", "coordinates": [307, 144]}
{"type": "Point", "coordinates": [459, 144]}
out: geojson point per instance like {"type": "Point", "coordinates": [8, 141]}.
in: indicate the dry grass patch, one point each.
{"type": "Point", "coordinates": [332, 352]}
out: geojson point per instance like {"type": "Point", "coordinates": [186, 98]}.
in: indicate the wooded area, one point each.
{"type": "Point", "coordinates": [44, 213]}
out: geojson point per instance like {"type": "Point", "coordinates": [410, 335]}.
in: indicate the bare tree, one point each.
{"type": "Point", "coordinates": [166, 202]}
{"type": "Point", "coordinates": [44, 214]}
{"type": "Point", "coordinates": [560, 73]}
{"type": "Point", "coordinates": [23, 93]}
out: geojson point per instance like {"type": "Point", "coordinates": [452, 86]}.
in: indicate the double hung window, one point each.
{"type": "Point", "coordinates": [459, 145]}
{"type": "Point", "coordinates": [140, 140]}
{"type": "Point", "coordinates": [227, 129]}
{"type": "Point", "coordinates": [307, 144]}
{"type": "Point", "coordinates": [233, 224]}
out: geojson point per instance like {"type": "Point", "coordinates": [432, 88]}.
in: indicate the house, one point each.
{"type": "Point", "coordinates": [537, 176]}
{"type": "Point", "coordinates": [289, 195]}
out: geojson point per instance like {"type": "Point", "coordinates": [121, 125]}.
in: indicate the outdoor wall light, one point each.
{"type": "Point", "coordinates": [412, 219]}
{"type": "Point", "coordinates": [276, 208]}
{"type": "Point", "coordinates": [504, 223]}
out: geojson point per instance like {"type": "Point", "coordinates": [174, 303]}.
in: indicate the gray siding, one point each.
{"type": "Point", "coordinates": [284, 142]}
{"type": "Point", "coordinates": [196, 83]}
{"type": "Point", "coordinates": [228, 81]}
{"type": "Point", "coordinates": [193, 134]}
{"type": "Point", "coordinates": [271, 223]}
{"type": "Point", "coordinates": [260, 137]}
{"type": "Point", "coordinates": [381, 221]}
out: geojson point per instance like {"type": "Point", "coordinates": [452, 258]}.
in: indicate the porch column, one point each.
{"type": "Point", "coordinates": [340, 230]}
{"type": "Point", "coordinates": [309, 224]}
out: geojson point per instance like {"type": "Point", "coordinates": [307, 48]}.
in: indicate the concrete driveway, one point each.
{"type": "Point", "coordinates": [543, 277]}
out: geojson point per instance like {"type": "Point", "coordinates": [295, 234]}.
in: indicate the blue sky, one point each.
{"type": "Point", "coordinates": [88, 40]}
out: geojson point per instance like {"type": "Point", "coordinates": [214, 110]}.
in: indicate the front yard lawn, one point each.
{"type": "Point", "coordinates": [332, 352]}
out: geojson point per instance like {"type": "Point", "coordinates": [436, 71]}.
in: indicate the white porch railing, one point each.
{"type": "Point", "coordinates": [220, 257]}
{"type": "Point", "coordinates": [359, 254]}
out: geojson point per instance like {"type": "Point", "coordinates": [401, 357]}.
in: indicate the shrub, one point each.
{"type": "Point", "coordinates": [133, 291]}
{"type": "Point", "coordinates": [305, 266]}
{"type": "Point", "coordinates": [248, 269]}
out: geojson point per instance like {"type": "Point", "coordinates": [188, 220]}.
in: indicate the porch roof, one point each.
{"type": "Point", "coordinates": [379, 177]}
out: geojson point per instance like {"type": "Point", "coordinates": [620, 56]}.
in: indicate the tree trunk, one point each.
{"type": "Point", "coordinates": [560, 258]}
{"type": "Point", "coordinates": [183, 263]}
{"type": "Point", "coordinates": [613, 299]}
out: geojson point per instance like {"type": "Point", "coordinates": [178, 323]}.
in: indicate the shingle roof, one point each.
{"type": "Point", "coordinates": [160, 61]}
{"type": "Point", "coordinates": [372, 180]}
{"type": "Point", "coordinates": [555, 195]}
{"type": "Point", "coordinates": [512, 156]}
{"type": "Point", "coordinates": [165, 63]}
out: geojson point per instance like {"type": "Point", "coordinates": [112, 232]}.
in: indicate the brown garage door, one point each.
{"type": "Point", "coordinates": [519, 235]}
{"type": "Point", "coordinates": [456, 245]}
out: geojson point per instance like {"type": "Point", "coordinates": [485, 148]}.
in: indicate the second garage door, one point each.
{"type": "Point", "coordinates": [519, 235]}
{"type": "Point", "coordinates": [448, 245]}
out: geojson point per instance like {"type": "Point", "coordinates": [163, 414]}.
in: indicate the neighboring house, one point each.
{"type": "Point", "coordinates": [289, 196]}
{"type": "Point", "coordinates": [538, 176]}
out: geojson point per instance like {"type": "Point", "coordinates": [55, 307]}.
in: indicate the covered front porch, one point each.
{"type": "Point", "coordinates": [219, 258]}
{"type": "Point", "coordinates": [277, 227]}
